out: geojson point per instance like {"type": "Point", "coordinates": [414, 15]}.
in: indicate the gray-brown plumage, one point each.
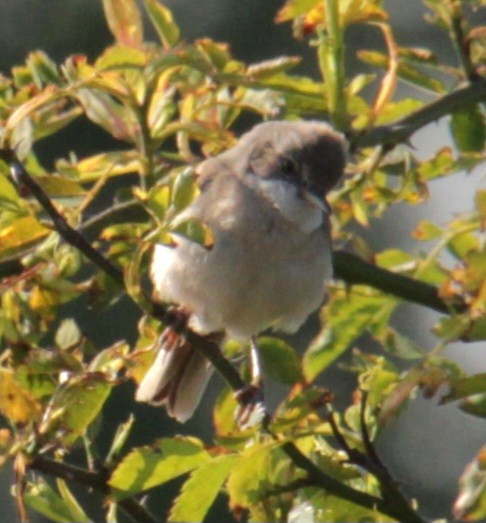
{"type": "Point", "coordinates": [264, 202]}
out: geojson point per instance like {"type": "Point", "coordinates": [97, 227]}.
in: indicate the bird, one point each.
{"type": "Point", "coordinates": [267, 267]}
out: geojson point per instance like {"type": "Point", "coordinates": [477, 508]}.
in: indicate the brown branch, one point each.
{"type": "Point", "coordinates": [353, 270]}
{"type": "Point", "coordinates": [390, 135]}
{"type": "Point", "coordinates": [96, 480]}
{"type": "Point", "coordinates": [211, 350]}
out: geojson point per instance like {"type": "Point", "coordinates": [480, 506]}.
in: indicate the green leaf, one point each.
{"type": "Point", "coordinates": [109, 164]}
{"type": "Point", "coordinates": [121, 56]}
{"type": "Point", "coordinates": [470, 505]}
{"type": "Point", "coordinates": [20, 233]}
{"type": "Point", "coordinates": [163, 22]}
{"type": "Point", "coordinates": [395, 259]}
{"type": "Point", "coordinates": [346, 318]}
{"type": "Point", "coordinates": [466, 387]}
{"type": "Point", "coordinates": [77, 403]}
{"type": "Point", "coordinates": [200, 490]}
{"type": "Point", "coordinates": [42, 498]}
{"type": "Point", "coordinates": [147, 467]}
{"type": "Point", "coordinates": [58, 187]}
{"type": "Point", "coordinates": [125, 21]}
{"type": "Point", "coordinates": [249, 475]}
{"type": "Point", "coordinates": [468, 129]}
{"type": "Point", "coordinates": [184, 189]}
{"type": "Point", "coordinates": [281, 361]}
{"type": "Point", "coordinates": [426, 230]}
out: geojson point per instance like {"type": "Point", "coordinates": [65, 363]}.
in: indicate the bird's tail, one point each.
{"type": "Point", "coordinates": [177, 377]}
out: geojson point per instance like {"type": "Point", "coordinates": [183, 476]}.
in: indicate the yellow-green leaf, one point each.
{"type": "Point", "coordinates": [147, 467]}
{"type": "Point", "coordinates": [200, 490]}
{"type": "Point", "coordinates": [163, 22]}
{"type": "Point", "coordinates": [20, 233]}
{"type": "Point", "coordinates": [16, 403]}
{"type": "Point", "coordinates": [280, 360]}
{"type": "Point", "coordinates": [125, 21]}
{"type": "Point", "coordinates": [122, 56]}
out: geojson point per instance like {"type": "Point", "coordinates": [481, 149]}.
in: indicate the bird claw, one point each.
{"type": "Point", "coordinates": [251, 409]}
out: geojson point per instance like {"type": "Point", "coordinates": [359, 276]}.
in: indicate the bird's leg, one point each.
{"type": "Point", "coordinates": [251, 409]}
{"type": "Point", "coordinates": [255, 365]}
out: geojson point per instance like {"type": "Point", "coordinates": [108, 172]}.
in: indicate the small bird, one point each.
{"type": "Point", "coordinates": [264, 203]}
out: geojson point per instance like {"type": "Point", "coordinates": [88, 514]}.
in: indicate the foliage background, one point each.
{"type": "Point", "coordinates": [411, 449]}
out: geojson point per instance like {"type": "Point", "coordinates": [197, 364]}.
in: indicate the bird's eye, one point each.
{"type": "Point", "coordinates": [288, 166]}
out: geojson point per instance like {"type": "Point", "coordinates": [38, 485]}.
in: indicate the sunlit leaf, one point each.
{"type": "Point", "coordinates": [294, 8]}
{"type": "Point", "coordinates": [119, 56]}
{"type": "Point", "coordinates": [470, 505]}
{"type": "Point", "coordinates": [163, 22]}
{"type": "Point", "coordinates": [147, 467]}
{"type": "Point", "coordinates": [20, 233]}
{"type": "Point", "coordinates": [345, 319]}
{"type": "Point", "coordinates": [77, 403]}
{"type": "Point", "coordinates": [16, 403]}
{"type": "Point", "coordinates": [200, 490]}
{"type": "Point", "coordinates": [125, 21]}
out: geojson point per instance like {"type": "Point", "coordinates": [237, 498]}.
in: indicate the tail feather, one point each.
{"type": "Point", "coordinates": [176, 379]}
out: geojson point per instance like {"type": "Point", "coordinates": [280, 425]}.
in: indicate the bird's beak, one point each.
{"type": "Point", "coordinates": [314, 200]}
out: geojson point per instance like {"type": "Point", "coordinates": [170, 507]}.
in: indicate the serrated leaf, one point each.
{"type": "Point", "coordinates": [163, 22]}
{"type": "Point", "coordinates": [125, 21]}
{"type": "Point", "coordinates": [147, 467]}
{"type": "Point", "coordinates": [345, 319]}
{"type": "Point", "coordinates": [249, 475]}
{"type": "Point", "coordinates": [468, 129]}
{"type": "Point", "coordinates": [200, 490]}
{"type": "Point", "coordinates": [280, 360]}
